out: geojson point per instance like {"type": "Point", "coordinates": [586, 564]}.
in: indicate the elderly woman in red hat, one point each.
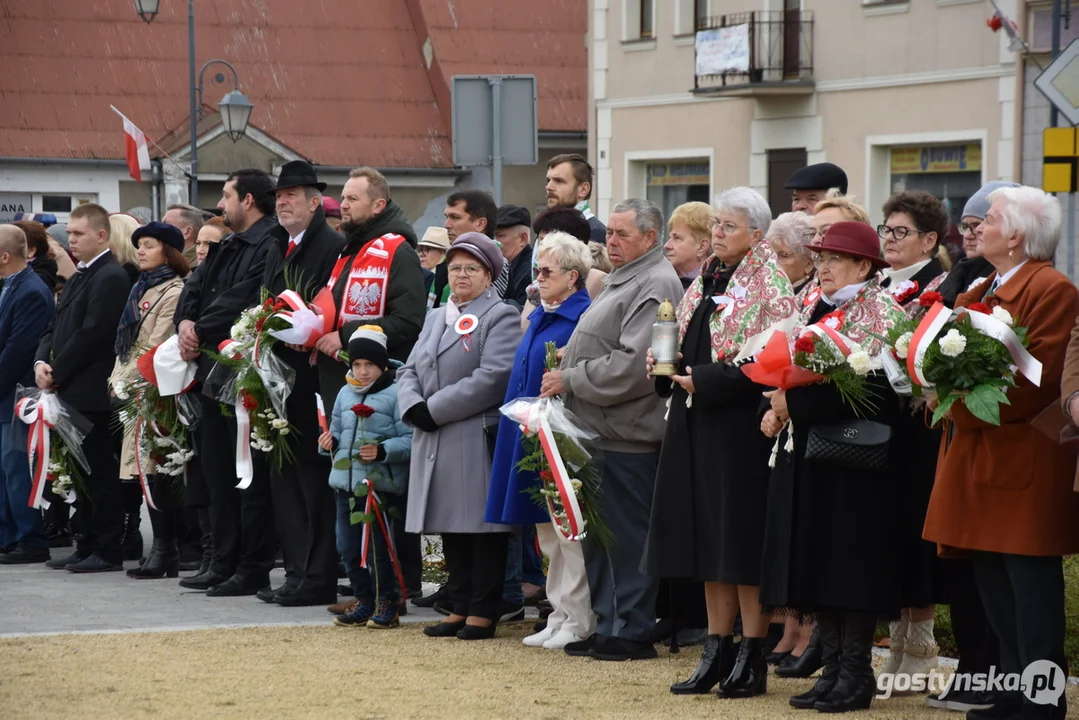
{"type": "Point", "coordinates": [828, 549]}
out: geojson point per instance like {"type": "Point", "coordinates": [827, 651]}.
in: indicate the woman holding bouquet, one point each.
{"type": "Point", "coordinates": [828, 548]}
{"type": "Point", "coordinates": [708, 510]}
{"type": "Point", "coordinates": [147, 322]}
{"type": "Point", "coordinates": [450, 391]}
{"type": "Point", "coordinates": [1003, 493]}
{"type": "Point", "coordinates": [562, 268]}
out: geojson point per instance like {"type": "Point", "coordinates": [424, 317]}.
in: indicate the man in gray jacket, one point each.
{"type": "Point", "coordinates": [605, 385]}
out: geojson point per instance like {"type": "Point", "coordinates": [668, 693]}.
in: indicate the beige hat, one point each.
{"type": "Point", "coordinates": [436, 237]}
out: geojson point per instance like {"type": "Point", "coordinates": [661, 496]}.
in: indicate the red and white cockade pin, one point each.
{"type": "Point", "coordinates": [464, 326]}
{"type": "Point", "coordinates": [145, 304]}
{"type": "Point", "coordinates": [812, 297]}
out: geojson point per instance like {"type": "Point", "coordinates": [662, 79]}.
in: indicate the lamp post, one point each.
{"type": "Point", "coordinates": [235, 107]}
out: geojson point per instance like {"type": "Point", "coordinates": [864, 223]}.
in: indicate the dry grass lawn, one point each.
{"type": "Point", "coordinates": [330, 672]}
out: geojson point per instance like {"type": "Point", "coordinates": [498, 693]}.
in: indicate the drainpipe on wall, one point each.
{"type": "Point", "coordinates": [155, 192]}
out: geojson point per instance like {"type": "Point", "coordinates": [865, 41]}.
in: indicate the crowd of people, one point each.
{"type": "Point", "coordinates": [732, 528]}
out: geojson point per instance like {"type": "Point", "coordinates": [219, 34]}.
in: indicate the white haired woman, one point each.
{"type": "Point", "coordinates": [711, 492]}
{"type": "Point", "coordinates": [562, 268]}
{"type": "Point", "coordinates": [788, 235]}
{"type": "Point", "coordinates": [1003, 493]}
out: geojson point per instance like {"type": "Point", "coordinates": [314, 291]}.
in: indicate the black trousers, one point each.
{"type": "Point", "coordinates": [1024, 600]}
{"type": "Point", "coordinates": [198, 493]}
{"type": "Point", "coordinates": [166, 492]}
{"type": "Point", "coordinates": [409, 546]}
{"type": "Point", "coordinates": [242, 519]}
{"type": "Point", "coordinates": [477, 567]}
{"type": "Point", "coordinates": [974, 635]}
{"type": "Point", "coordinates": [98, 522]}
{"type": "Point", "coordinates": [305, 513]}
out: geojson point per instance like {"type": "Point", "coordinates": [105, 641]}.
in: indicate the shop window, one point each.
{"type": "Point", "coordinates": [670, 184]}
{"type": "Point", "coordinates": [950, 172]}
{"type": "Point", "coordinates": [56, 203]}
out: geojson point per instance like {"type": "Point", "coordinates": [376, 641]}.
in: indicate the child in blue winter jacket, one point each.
{"type": "Point", "coordinates": [366, 427]}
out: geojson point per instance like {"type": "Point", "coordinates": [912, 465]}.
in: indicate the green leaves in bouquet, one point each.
{"type": "Point", "coordinates": [551, 356]}
{"type": "Point", "coordinates": [827, 360]}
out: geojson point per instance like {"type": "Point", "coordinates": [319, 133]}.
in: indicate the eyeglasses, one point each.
{"type": "Point", "coordinates": [965, 228]}
{"type": "Point", "coordinates": [542, 273]}
{"type": "Point", "coordinates": [469, 270]}
{"type": "Point", "coordinates": [899, 232]}
{"type": "Point", "coordinates": [728, 228]}
{"type": "Point", "coordinates": [423, 250]}
{"type": "Point", "coordinates": [822, 260]}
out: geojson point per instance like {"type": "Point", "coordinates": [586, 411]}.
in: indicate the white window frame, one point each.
{"type": "Point", "coordinates": [631, 22]}
{"type": "Point", "coordinates": [634, 180]}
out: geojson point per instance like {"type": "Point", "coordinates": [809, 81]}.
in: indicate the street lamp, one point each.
{"type": "Point", "coordinates": [235, 108]}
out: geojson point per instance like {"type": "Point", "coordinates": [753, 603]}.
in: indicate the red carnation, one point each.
{"type": "Point", "coordinates": [363, 411]}
{"type": "Point", "coordinates": [249, 402]}
{"type": "Point", "coordinates": [928, 299]}
{"type": "Point", "coordinates": [259, 323]}
{"type": "Point", "coordinates": [980, 307]}
{"type": "Point", "coordinates": [805, 344]}
{"type": "Point", "coordinates": [546, 476]}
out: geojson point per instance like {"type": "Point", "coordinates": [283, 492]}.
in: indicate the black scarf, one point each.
{"type": "Point", "coordinates": [128, 331]}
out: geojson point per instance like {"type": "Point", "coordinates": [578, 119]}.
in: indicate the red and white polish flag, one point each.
{"type": "Point", "coordinates": [136, 152]}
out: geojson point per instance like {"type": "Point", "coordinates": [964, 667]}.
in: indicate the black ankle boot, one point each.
{"type": "Point", "coordinates": [163, 561]}
{"type": "Point", "coordinates": [749, 676]}
{"type": "Point", "coordinates": [131, 542]}
{"type": "Point", "coordinates": [805, 664]}
{"type": "Point", "coordinates": [716, 663]}
{"type": "Point", "coordinates": [831, 641]}
{"type": "Point", "coordinates": [856, 686]}
{"type": "Point", "coordinates": [207, 531]}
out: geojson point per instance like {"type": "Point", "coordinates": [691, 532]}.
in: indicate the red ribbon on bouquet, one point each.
{"type": "Point", "coordinates": [574, 516]}
{"type": "Point", "coordinates": [40, 414]}
{"type": "Point", "coordinates": [374, 506]}
{"type": "Point", "coordinates": [774, 366]}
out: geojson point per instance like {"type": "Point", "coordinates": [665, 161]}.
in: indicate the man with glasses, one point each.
{"type": "Point", "coordinates": [811, 184]}
{"type": "Point", "coordinates": [973, 268]}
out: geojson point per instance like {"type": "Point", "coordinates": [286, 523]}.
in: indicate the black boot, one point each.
{"type": "Point", "coordinates": [207, 531]}
{"type": "Point", "coordinates": [163, 561]}
{"type": "Point", "coordinates": [856, 686]}
{"type": "Point", "coordinates": [749, 676]}
{"type": "Point", "coordinates": [805, 664]}
{"type": "Point", "coordinates": [831, 642]}
{"type": "Point", "coordinates": [131, 499]}
{"type": "Point", "coordinates": [716, 663]}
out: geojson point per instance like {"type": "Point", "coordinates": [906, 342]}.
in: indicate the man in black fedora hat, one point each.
{"type": "Point", "coordinates": [301, 258]}
{"type": "Point", "coordinates": [811, 184]}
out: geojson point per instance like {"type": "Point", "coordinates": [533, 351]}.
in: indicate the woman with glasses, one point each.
{"type": "Point", "coordinates": [711, 492]}
{"type": "Point", "coordinates": [450, 391]}
{"type": "Point", "coordinates": [828, 550]}
{"type": "Point", "coordinates": [972, 268]}
{"type": "Point", "coordinates": [915, 222]}
{"type": "Point", "coordinates": [562, 267]}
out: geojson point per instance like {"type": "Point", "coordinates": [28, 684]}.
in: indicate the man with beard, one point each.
{"type": "Point", "coordinates": [300, 258]}
{"type": "Point", "coordinates": [377, 280]}
{"type": "Point", "coordinates": [569, 184]}
{"type": "Point", "coordinates": [221, 288]}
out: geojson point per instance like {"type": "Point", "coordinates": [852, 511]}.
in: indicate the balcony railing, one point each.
{"type": "Point", "coordinates": [761, 52]}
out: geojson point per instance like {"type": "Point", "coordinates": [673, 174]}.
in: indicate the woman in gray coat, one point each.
{"type": "Point", "coordinates": [450, 391]}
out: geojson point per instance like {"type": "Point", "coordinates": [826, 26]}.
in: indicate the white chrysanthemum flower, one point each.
{"type": "Point", "coordinates": [576, 485]}
{"type": "Point", "coordinates": [902, 344]}
{"type": "Point", "coordinates": [279, 423]}
{"type": "Point", "coordinates": [55, 467]}
{"type": "Point", "coordinates": [270, 415]}
{"type": "Point", "coordinates": [283, 431]}
{"type": "Point", "coordinates": [64, 480]}
{"type": "Point", "coordinates": [860, 362]}
{"type": "Point", "coordinates": [953, 343]}
{"type": "Point", "coordinates": [1003, 315]}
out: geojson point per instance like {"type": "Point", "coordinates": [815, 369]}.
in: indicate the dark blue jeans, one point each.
{"type": "Point", "coordinates": [19, 523]}
{"type": "Point", "coordinates": [379, 575]}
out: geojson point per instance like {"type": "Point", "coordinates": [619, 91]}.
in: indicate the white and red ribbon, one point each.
{"type": "Point", "coordinates": [1027, 363]}
{"type": "Point", "coordinates": [143, 482]}
{"type": "Point", "coordinates": [40, 414]}
{"type": "Point", "coordinates": [374, 507]}
{"type": "Point", "coordinates": [307, 322]}
{"type": "Point", "coordinates": [322, 422]}
{"type": "Point", "coordinates": [924, 335]}
{"type": "Point", "coordinates": [245, 468]}
{"type": "Point", "coordinates": [574, 516]}
{"type": "Point", "coordinates": [842, 342]}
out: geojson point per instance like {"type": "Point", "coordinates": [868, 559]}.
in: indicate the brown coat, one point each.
{"type": "Point", "coordinates": [1008, 489]}
{"type": "Point", "coordinates": [157, 307]}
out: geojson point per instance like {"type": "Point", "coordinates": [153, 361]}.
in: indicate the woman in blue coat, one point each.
{"type": "Point", "coordinates": [564, 262]}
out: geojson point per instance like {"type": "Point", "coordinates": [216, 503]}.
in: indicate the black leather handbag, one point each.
{"type": "Point", "coordinates": [855, 444]}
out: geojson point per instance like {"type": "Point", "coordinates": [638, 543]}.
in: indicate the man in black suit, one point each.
{"type": "Point", "coordinates": [222, 287]}
{"type": "Point", "coordinates": [74, 359]}
{"type": "Point", "coordinates": [300, 258]}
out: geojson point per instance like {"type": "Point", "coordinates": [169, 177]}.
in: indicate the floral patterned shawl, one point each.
{"type": "Point", "coordinates": [865, 318]}
{"type": "Point", "coordinates": [757, 296]}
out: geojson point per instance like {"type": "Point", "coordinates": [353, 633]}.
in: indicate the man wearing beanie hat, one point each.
{"type": "Point", "coordinates": [973, 268]}
{"type": "Point", "coordinates": [366, 429]}
{"type": "Point", "coordinates": [812, 183]}
{"type": "Point", "coordinates": [302, 254]}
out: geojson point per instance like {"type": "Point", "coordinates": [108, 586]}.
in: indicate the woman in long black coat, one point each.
{"type": "Point", "coordinates": [707, 521]}
{"type": "Point", "coordinates": [829, 549]}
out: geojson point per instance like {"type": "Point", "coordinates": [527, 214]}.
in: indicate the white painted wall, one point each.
{"type": "Point", "coordinates": [99, 184]}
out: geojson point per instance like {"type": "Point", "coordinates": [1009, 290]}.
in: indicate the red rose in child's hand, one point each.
{"type": "Point", "coordinates": [249, 402]}
{"type": "Point", "coordinates": [927, 299]}
{"type": "Point", "coordinates": [805, 344]}
{"type": "Point", "coordinates": [980, 307]}
{"type": "Point", "coordinates": [363, 411]}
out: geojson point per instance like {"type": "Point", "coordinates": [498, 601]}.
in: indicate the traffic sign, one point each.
{"type": "Point", "coordinates": [1060, 82]}
{"type": "Point", "coordinates": [1060, 166]}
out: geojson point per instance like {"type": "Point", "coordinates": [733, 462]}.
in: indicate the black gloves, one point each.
{"type": "Point", "coordinates": [419, 416]}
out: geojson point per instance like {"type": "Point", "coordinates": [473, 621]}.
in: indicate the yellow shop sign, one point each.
{"type": "Point", "coordinates": [937, 159]}
{"type": "Point", "coordinates": [679, 173]}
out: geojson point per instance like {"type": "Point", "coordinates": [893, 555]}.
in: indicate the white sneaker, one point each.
{"type": "Point", "coordinates": [538, 639]}
{"type": "Point", "coordinates": [561, 639]}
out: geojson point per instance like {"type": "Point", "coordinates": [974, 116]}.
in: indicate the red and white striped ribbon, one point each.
{"type": "Point", "coordinates": [40, 414]}
{"type": "Point", "coordinates": [143, 482]}
{"type": "Point", "coordinates": [574, 516]}
{"type": "Point", "coordinates": [924, 335]}
{"type": "Point", "coordinates": [245, 468]}
{"type": "Point", "coordinates": [1027, 363]}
